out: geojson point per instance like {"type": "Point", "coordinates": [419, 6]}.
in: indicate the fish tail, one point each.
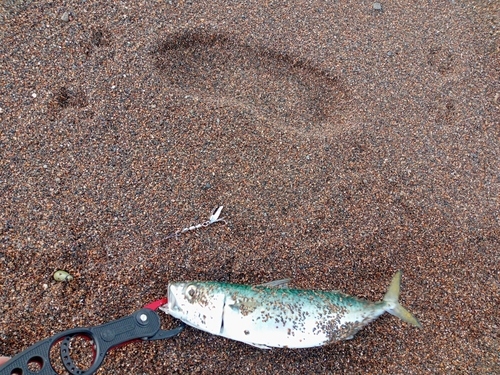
{"type": "Point", "coordinates": [392, 305]}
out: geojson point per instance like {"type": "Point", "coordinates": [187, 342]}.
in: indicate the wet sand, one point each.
{"type": "Point", "coordinates": [344, 142]}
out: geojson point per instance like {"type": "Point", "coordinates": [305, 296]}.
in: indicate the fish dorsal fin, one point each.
{"type": "Point", "coordinates": [280, 284]}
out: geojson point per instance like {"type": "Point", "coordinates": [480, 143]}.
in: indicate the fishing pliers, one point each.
{"type": "Point", "coordinates": [142, 325]}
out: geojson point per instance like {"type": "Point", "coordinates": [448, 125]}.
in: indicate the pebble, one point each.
{"type": "Point", "coordinates": [61, 275]}
{"type": "Point", "coordinates": [65, 17]}
{"type": "Point", "coordinates": [377, 6]}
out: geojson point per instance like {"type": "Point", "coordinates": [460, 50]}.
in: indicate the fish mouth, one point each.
{"type": "Point", "coordinates": [171, 299]}
{"type": "Point", "coordinates": [172, 306]}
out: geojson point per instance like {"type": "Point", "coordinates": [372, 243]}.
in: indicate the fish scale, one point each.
{"type": "Point", "coordinates": [292, 318]}
{"type": "Point", "coordinates": [267, 317]}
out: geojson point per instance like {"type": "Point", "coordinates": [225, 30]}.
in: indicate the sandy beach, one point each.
{"type": "Point", "coordinates": [346, 140]}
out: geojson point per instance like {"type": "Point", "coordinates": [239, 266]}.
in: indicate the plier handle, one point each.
{"type": "Point", "coordinates": [142, 325]}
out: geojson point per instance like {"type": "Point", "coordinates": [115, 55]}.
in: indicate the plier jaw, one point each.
{"type": "Point", "coordinates": [143, 325]}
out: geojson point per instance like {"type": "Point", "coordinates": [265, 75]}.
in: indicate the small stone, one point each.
{"type": "Point", "coordinates": [377, 6]}
{"type": "Point", "coordinates": [65, 17]}
{"type": "Point", "coordinates": [62, 276]}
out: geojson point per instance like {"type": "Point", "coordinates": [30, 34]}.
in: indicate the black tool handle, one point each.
{"type": "Point", "coordinates": [143, 324]}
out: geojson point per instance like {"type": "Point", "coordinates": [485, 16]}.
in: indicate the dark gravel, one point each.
{"type": "Point", "coordinates": [345, 143]}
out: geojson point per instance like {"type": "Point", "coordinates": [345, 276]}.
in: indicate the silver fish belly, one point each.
{"type": "Point", "coordinates": [269, 317]}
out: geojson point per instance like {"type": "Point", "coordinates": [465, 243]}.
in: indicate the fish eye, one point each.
{"type": "Point", "coordinates": [190, 292]}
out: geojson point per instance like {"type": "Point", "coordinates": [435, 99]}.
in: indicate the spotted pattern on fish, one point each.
{"type": "Point", "coordinates": [271, 317]}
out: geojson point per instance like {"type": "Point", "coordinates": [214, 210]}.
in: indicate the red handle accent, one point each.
{"type": "Point", "coordinates": [154, 305]}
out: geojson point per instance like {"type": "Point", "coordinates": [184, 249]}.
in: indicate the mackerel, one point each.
{"type": "Point", "coordinates": [272, 315]}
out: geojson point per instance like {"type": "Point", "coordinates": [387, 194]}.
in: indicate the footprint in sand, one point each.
{"type": "Point", "coordinates": [287, 92]}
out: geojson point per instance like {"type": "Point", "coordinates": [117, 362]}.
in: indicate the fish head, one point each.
{"type": "Point", "coordinates": [198, 304]}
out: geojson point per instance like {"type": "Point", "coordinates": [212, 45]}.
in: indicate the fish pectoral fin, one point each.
{"type": "Point", "coordinates": [260, 346]}
{"type": "Point", "coordinates": [283, 284]}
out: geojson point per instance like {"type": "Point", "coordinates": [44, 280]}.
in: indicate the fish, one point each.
{"type": "Point", "coordinates": [271, 315]}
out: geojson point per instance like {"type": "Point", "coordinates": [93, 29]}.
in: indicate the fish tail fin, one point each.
{"type": "Point", "coordinates": [392, 305]}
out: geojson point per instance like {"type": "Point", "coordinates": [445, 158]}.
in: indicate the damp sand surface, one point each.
{"type": "Point", "coordinates": [345, 141]}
